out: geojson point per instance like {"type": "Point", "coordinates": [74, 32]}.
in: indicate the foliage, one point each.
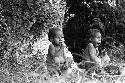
{"type": "Point", "coordinates": [81, 15]}
{"type": "Point", "coordinates": [23, 22]}
{"type": "Point", "coordinates": [23, 28]}
{"type": "Point", "coordinates": [23, 44]}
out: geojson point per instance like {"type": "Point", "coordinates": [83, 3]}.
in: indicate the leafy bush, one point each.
{"type": "Point", "coordinates": [100, 14]}
{"type": "Point", "coordinates": [23, 44]}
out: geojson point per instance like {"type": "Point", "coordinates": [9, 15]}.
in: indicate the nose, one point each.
{"type": "Point", "coordinates": [100, 38]}
{"type": "Point", "coordinates": [62, 39]}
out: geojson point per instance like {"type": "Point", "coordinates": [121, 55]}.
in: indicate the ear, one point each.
{"type": "Point", "coordinates": [51, 39]}
{"type": "Point", "coordinates": [90, 39]}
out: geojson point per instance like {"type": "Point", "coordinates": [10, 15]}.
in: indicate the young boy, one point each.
{"type": "Point", "coordinates": [91, 53]}
{"type": "Point", "coordinates": [56, 55]}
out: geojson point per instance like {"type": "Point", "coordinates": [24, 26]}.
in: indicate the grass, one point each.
{"type": "Point", "coordinates": [25, 75]}
{"type": "Point", "coordinates": [33, 69]}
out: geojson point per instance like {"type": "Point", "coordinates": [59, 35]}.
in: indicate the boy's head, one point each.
{"type": "Point", "coordinates": [55, 36]}
{"type": "Point", "coordinates": [95, 36]}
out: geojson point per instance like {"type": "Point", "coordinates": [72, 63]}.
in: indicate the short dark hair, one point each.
{"type": "Point", "coordinates": [52, 32]}
{"type": "Point", "coordinates": [92, 32]}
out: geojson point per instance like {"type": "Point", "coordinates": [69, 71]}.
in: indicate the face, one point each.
{"type": "Point", "coordinates": [59, 38]}
{"type": "Point", "coordinates": [97, 39]}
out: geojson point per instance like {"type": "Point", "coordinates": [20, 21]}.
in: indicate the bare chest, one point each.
{"type": "Point", "coordinates": [61, 55]}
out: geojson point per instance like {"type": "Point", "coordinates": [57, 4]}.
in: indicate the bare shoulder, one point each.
{"type": "Point", "coordinates": [90, 45]}
{"type": "Point", "coordinates": [51, 50]}
{"type": "Point", "coordinates": [51, 47]}
{"type": "Point", "coordinates": [91, 48]}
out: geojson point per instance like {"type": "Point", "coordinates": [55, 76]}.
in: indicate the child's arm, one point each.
{"type": "Point", "coordinates": [68, 56]}
{"type": "Point", "coordinates": [50, 56]}
{"type": "Point", "coordinates": [53, 53]}
{"type": "Point", "coordinates": [93, 55]}
{"type": "Point", "coordinates": [51, 50]}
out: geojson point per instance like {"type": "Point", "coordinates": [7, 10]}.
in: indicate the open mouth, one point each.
{"type": "Point", "coordinates": [99, 42]}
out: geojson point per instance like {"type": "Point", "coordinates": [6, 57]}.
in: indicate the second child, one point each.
{"type": "Point", "coordinates": [91, 53]}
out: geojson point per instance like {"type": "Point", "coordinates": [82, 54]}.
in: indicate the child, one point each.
{"type": "Point", "coordinates": [56, 55]}
{"type": "Point", "coordinates": [91, 53]}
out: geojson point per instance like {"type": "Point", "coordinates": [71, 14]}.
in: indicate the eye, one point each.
{"type": "Point", "coordinates": [56, 36]}
{"type": "Point", "coordinates": [98, 37]}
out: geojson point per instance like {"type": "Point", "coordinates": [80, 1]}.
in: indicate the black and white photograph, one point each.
{"type": "Point", "coordinates": [62, 41]}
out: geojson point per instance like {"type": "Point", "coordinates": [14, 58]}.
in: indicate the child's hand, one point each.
{"type": "Point", "coordinates": [99, 62]}
{"type": "Point", "coordinates": [69, 61]}
{"type": "Point", "coordinates": [106, 58]}
{"type": "Point", "coordinates": [65, 67]}
{"type": "Point", "coordinates": [57, 61]}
